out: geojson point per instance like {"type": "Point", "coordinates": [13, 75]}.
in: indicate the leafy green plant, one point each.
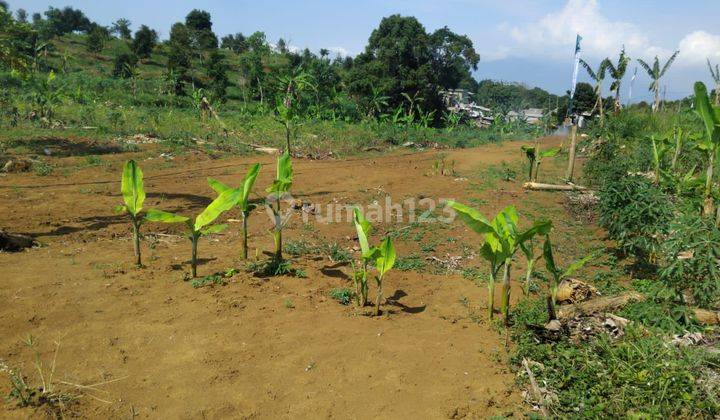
{"type": "Point", "coordinates": [243, 203]}
{"type": "Point", "coordinates": [558, 274]}
{"type": "Point", "coordinates": [528, 249]}
{"type": "Point", "coordinates": [383, 256]}
{"type": "Point", "coordinates": [535, 155]}
{"type": "Point", "coordinates": [134, 197]}
{"type": "Point", "coordinates": [502, 240]}
{"type": "Point", "coordinates": [343, 295]}
{"type": "Point", "coordinates": [280, 187]}
{"type": "Point", "coordinates": [202, 225]}
{"type": "Point", "coordinates": [710, 144]}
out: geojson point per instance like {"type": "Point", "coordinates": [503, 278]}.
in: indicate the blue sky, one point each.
{"type": "Point", "coordinates": [520, 41]}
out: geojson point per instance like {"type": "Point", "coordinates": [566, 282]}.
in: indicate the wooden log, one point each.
{"type": "Point", "coordinates": [537, 186]}
{"type": "Point", "coordinates": [13, 242]}
{"type": "Point", "coordinates": [707, 317]}
{"type": "Point", "coordinates": [571, 154]}
{"type": "Point", "coordinates": [599, 305]}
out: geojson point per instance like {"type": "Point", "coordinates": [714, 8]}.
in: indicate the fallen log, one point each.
{"type": "Point", "coordinates": [13, 242]}
{"type": "Point", "coordinates": [599, 305]}
{"type": "Point", "coordinates": [574, 291]}
{"type": "Point", "coordinates": [707, 317]}
{"type": "Point", "coordinates": [537, 186]}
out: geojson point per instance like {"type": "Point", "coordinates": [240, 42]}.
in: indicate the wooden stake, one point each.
{"type": "Point", "coordinates": [571, 154]}
{"type": "Point", "coordinates": [537, 186]}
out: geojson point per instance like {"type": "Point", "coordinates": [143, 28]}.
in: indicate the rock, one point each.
{"type": "Point", "coordinates": [13, 242]}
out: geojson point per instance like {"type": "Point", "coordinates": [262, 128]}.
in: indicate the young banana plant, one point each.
{"type": "Point", "coordinates": [534, 156]}
{"type": "Point", "coordinates": [383, 256]}
{"type": "Point", "coordinates": [280, 187]}
{"type": "Point", "coordinates": [243, 203]}
{"type": "Point", "coordinates": [528, 249]}
{"type": "Point", "coordinates": [202, 225]}
{"type": "Point", "coordinates": [363, 227]}
{"type": "Point", "coordinates": [134, 195]}
{"type": "Point", "coordinates": [711, 143]}
{"type": "Point", "coordinates": [502, 240]}
{"type": "Point", "coordinates": [557, 273]}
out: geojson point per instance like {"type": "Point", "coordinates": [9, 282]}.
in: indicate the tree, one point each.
{"type": "Point", "coordinates": [124, 65]}
{"type": "Point", "coordinates": [235, 43]}
{"type": "Point", "coordinates": [96, 38]}
{"type": "Point", "coordinates": [324, 52]}
{"type": "Point", "coordinates": [121, 27]}
{"type": "Point", "coordinates": [179, 55]}
{"type": "Point", "coordinates": [397, 60]}
{"type": "Point", "coordinates": [216, 70]}
{"type": "Point", "coordinates": [617, 72]}
{"type": "Point", "coordinates": [282, 46]}
{"type": "Point", "coordinates": [656, 73]}
{"type": "Point", "coordinates": [21, 15]}
{"type": "Point", "coordinates": [715, 73]}
{"type": "Point", "coordinates": [16, 43]}
{"type": "Point", "coordinates": [64, 21]}
{"type": "Point", "coordinates": [599, 77]}
{"type": "Point", "coordinates": [585, 97]}
{"type": "Point", "coordinates": [144, 42]}
{"type": "Point", "coordinates": [453, 57]}
{"type": "Point", "coordinates": [200, 26]}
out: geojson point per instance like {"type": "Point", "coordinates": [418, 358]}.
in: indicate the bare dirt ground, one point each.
{"type": "Point", "coordinates": [257, 347]}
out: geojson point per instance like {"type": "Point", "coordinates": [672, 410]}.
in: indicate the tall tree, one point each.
{"type": "Point", "coordinates": [21, 15]}
{"type": "Point", "coordinates": [144, 42]}
{"type": "Point", "coordinates": [715, 73]}
{"type": "Point", "coordinates": [96, 38]}
{"type": "Point", "coordinates": [66, 20]}
{"type": "Point", "coordinates": [199, 24]}
{"type": "Point", "coordinates": [179, 53]}
{"type": "Point", "coordinates": [656, 73]}
{"type": "Point", "coordinates": [235, 43]}
{"type": "Point", "coordinates": [216, 71]}
{"type": "Point", "coordinates": [598, 77]}
{"type": "Point", "coordinates": [454, 56]}
{"type": "Point", "coordinates": [121, 28]}
{"type": "Point", "coordinates": [617, 72]}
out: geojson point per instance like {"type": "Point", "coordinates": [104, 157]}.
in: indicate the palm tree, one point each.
{"type": "Point", "coordinates": [656, 74]}
{"type": "Point", "coordinates": [617, 73]}
{"type": "Point", "coordinates": [716, 77]}
{"type": "Point", "coordinates": [599, 77]}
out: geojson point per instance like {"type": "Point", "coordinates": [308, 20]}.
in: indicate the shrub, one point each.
{"type": "Point", "coordinates": [636, 214]}
{"type": "Point", "coordinates": [691, 252]}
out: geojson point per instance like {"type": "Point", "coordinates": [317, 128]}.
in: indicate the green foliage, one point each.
{"type": "Point", "coordinates": [342, 294]}
{"type": "Point", "coordinates": [636, 214]}
{"type": "Point", "coordinates": [639, 375]}
{"type": "Point", "coordinates": [691, 254]}
{"type": "Point", "coordinates": [280, 186]}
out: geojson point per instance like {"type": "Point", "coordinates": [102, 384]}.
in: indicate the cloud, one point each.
{"type": "Point", "coordinates": [554, 34]}
{"type": "Point", "coordinates": [339, 51]}
{"type": "Point", "coordinates": [696, 47]}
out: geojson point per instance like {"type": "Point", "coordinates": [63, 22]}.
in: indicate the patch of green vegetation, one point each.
{"type": "Point", "coordinates": [640, 375]}
{"type": "Point", "coordinates": [412, 262]}
{"type": "Point", "coordinates": [342, 294]}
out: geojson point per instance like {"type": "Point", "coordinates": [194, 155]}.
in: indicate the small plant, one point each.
{"type": "Point", "coordinates": [384, 257]}
{"type": "Point", "coordinates": [202, 225]}
{"type": "Point", "coordinates": [502, 240]}
{"type": "Point", "coordinates": [243, 203]}
{"type": "Point", "coordinates": [528, 249]}
{"type": "Point", "coordinates": [535, 156]}
{"type": "Point", "coordinates": [343, 295]}
{"type": "Point", "coordinates": [134, 196]}
{"type": "Point", "coordinates": [558, 275]}
{"type": "Point", "coordinates": [711, 142]}
{"type": "Point", "coordinates": [280, 187]}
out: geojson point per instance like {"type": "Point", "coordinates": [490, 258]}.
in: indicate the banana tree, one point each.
{"type": "Point", "coordinates": [243, 203]}
{"type": "Point", "coordinates": [502, 240]}
{"type": "Point", "coordinates": [202, 225]}
{"type": "Point", "coordinates": [558, 275]}
{"type": "Point", "coordinates": [617, 72]}
{"type": "Point", "coordinates": [279, 187]}
{"type": "Point", "coordinates": [660, 147]}
{"type": "Point", "coordinates": [599, 77]}
{"type": "Point", "coordinates": [534, 156]}
{"type": "Point", "coordinates": [656, 73]}
{"type": "Point", "coordinates": [528, 249]}
{"type": "Point", "coordinates": [133, 194]}
{"type": "Point", "coordinates": [715, 73]}
{"type": "Point", "coordinates": [710, 144]}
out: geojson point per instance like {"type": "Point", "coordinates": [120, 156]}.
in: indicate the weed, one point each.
{"type": "Point", "coordinates": [343, 295]}
{"type": "Point", "coordinates": [412, 262]}
{"type": "Point", "coordinates": [288, 304]}
{"type": "Point", "coordinates": [42, 168]}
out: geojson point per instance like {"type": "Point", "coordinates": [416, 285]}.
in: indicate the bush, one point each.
{"type": "Point", "coordinates": [692, 252]}
{"type": "Point", "coordinates": [636, 214]}
{"type": "Point", "coordinates": [124, 65]}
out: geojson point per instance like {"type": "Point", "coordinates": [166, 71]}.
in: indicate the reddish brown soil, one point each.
{"type": "Point", "coordinates": [256, 347]}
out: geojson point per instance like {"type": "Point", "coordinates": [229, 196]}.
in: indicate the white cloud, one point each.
{"type": "Point", "coordinates": [696, 47]}
{"type": "Point", "coordinates": [342, 52]}
{"type": "Point", "coordinates": [554, 34]}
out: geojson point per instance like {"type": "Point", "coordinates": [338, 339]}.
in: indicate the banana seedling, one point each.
{"type": "Point", "coordinates": [502, 240]}
{"type": "Point", "coordinates": [202, 225]}
{"type": "Point", "coordinates": [280, 187]}
{"type": "Point", "coordinates": [384, 257]}
{"type": "Point", "coordinates": [557, 273]}
{"type": "Point", "coordinates": [535, 156]}
{"type": "Point", "coordinates": [243, 202]}
{"type": "Point", "coordinates": [528, 249]}
{"type": "Point", "coordinates": [134, 195]}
